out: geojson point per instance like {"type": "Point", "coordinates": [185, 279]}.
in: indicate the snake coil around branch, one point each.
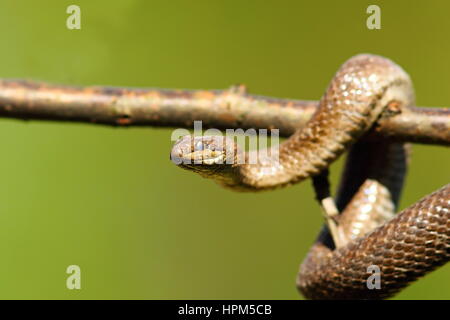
{"type": "Point", "coordinates": [361, 230]}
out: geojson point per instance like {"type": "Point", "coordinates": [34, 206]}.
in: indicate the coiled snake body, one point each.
{"type": "Point", "coordinates": [361, 231]}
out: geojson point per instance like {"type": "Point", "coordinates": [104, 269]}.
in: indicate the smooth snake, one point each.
{"type": "Point", "coordinates": [364, 230]}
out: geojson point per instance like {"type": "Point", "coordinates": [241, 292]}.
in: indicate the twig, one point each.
{"type": "Point", "coordinates": [232, 108]}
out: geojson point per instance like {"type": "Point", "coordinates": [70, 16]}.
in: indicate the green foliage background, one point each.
{"type": "Point", "coordinates": [110, 201]}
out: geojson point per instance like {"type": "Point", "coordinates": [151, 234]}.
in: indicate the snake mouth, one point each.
{"type": "Point", "coordinates": [203, 150]}
{"type": "Point", "coordinates": [207, 157]}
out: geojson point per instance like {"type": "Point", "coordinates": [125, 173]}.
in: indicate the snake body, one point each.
{"type": "Point", "coordinates": [404, 247]}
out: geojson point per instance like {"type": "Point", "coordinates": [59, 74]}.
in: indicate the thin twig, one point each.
{"type": "Point", "coordinates": [232, 108]}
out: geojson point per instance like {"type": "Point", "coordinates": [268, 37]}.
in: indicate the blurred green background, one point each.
{"type": "Point", "coordinates": [110, 201]}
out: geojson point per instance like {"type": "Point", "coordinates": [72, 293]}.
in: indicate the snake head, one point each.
{"type": "Point", "coordinates": [221, 159]}
{"type": "Point", "coordinates": [206, 155]}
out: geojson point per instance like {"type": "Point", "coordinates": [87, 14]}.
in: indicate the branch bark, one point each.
{"type": "Point", "coordinates": [222, 109]}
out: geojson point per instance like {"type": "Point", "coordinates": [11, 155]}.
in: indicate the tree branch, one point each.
{"type": "Point", "coordinates": [222, 109]}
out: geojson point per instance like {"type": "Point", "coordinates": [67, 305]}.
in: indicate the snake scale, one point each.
{"type": "Point", "coordinates": [404, 246]}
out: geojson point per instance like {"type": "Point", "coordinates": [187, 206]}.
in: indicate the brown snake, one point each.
{"type": "Point", "coordinates": [365, 233]}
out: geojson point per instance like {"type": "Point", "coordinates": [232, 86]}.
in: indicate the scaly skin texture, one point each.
{"type": "Point", "coordinates": [368, 196]}
{"type": "Point", "coordinates": [402, 248]}
{"type": "Point", "coordinates": [358, 94]}
{"type": "Point", "coordinates": [407, 247]}
{"type": "Point", "coordinates": [371, 184]}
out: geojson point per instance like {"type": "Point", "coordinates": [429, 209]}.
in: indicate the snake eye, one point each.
{"type": "Point", "coordinates": [198, 146]}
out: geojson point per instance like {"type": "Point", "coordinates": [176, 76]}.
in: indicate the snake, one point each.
{"type": "Point", "coordinates": [370, 241]}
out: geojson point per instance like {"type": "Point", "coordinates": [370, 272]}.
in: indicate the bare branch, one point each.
{"type": "Point", "coordinates": [232, 108]}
